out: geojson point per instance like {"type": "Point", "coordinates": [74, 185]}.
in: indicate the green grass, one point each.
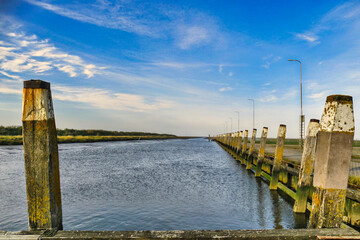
{"type": "Point", "coordinates": [17, 140]}
{"type": "Point", "coordinates": [354, 180]}
{"type": "Point", "coordinates": [295, 141]}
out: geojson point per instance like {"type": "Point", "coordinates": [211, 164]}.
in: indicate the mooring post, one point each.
{"type": "Point", "coordinates": [332, 162]}
{"type": "Point", "coordinates": [307, 165]}
{"type": "Point", "coordinates": [244, 147]}
{"type": "Point", "coordinates": [279, 150]}
{"type": "Point", "coordinates": [251, 149]}
{"type": "Point", "coordinates": [239, 147]}
{"type": "Point", "coordinates": [41, 157]}
{"type": "Point", "coordinates": [233, 139]}
{"type": "Point", "coordinates": [261, 153]}
{"type": "Point", "coordinates": [228, 139]}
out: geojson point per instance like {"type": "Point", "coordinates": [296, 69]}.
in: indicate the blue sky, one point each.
{"type": "Point", "coordinates": [179, 67]}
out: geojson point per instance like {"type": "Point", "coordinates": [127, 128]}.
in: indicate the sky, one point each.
{"type": "Point", "coordinates": [180, 67]}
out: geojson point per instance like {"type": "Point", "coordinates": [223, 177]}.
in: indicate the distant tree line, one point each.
{"type": "Point", "coordinates": [17, 130]}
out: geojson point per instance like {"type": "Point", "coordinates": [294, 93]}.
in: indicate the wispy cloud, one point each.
{"type": "Point", "coordinates": [308, 37]}
{"type": "Point", "coordinates": [269, 60]}
{"type": "Point", "coordinates": [275, 96]}
{"type": "Point", "coordinates": [26, 53]}
{"type": "Point", "coordinates": [105, 99]}
{"type": "Point", "coordinates": [231, 74]}
{"type": "Point", "coordinates": [182, 65]}
{"type": "Point", "coordinates": [109, 14]}
{"type": "Point", "coordinates": [221, 68]}
{"type": "Point", "coordinates": [224, 89]}
{"type": "Point", "coordinates": [338, 17]}
{"type": "Point", "coordinates": [187, 28]}
{"type": "Point", "coordinates": [320, 95]}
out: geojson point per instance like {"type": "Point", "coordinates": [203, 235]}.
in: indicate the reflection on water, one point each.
{"type": "Point", "coordinates": [149, 185]}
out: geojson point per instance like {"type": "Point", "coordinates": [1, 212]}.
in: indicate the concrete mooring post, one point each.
{"type": "Point", "coordinates": [251, 149]}
{"type": "Point", "coordinates": [244, 147]}
{"type": "Point", "coordinates": [41, 157]}
{"type": "Point", "coordinates": [332, 162]}
{"type": "Point", "coordinates": [279, 150]}
{"type": "Point", "coordinates": [307, 165]}
{"type": "Point", "coordinates": [261, 153]}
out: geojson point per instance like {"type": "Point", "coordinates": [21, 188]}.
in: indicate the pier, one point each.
{"type": "Point", "coordinates": [315, 177]}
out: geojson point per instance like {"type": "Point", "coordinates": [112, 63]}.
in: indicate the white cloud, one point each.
{"type": "Point", "coordinates": [105, 99]}
{"type": "Point", "coordinates": [225, 89]}
{"type": "Point", "coordinates": [181, 65]}
{"type": "Point", "coordinates": [320, 95]}
{"type": "Point", "coordinates": [231, 74]}
{"type": "Point", "coordinates": [269, 60]}
{"type": "Point", "coordinates": [187, 28]}
{"type": "Point", "coordinates": [307, 37]}
{"type": "Point", "coordinates": [28, 53]}
{"type": "Point", "coordinates": [285, 95]}
{"type": "Point", "coordinates": [15, 77]}
{"type": "Point", "coordinates": [221, 68]}
{"type": "Point", "coordinates": [192, 36]}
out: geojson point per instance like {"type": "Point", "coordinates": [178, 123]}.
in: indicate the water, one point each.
{"type": "Point", "coordinates": [149, 185]}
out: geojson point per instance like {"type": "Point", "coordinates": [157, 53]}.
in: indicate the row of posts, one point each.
{"type": "Point", "coordinates": [328, 148]}
{"type": "Point", "coordinates": [325, 160]}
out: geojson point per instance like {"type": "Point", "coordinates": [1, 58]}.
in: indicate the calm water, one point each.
{"type": "Point", "coordinates": [149, 185]}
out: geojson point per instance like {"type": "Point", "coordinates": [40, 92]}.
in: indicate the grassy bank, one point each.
{"type": "Point", "coordinates": [295, 141]}
{"type": "Point", "coordinates": [17, 140]}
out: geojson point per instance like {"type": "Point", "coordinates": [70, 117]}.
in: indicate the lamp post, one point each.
{"type": "Point", "coordinates": [238, 120]}
{"type": "Point", "coordinates": [230, 124]}
{"type": "Point", "coordinates": [250, 99]}
{"type": "Point", "coordinates": [302, 117]}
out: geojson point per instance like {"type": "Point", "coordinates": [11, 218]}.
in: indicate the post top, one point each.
{"type": "Point", "coordinates": [315, 120]}
{"type": "Point", "coordinates": [282, 125]}
{"type": "Point", "coordinates": [339, 98]}
{"type": "Point", "coordinates": [36, 83]}
{"type": "Point", "coordinates": [254, 129]}
{"type": "Point", "coordinates": [265, 127]}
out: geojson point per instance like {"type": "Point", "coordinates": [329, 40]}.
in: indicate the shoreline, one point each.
{"type": "Point", "coordinates": [17, 140]}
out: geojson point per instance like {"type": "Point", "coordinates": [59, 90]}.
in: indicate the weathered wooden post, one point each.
{"type": "Point", "coordinates": [261, 153]}
{"type": "Point", "coordinates": [239, 147]}
{"type": "Point", "coordinates": [279, 150]}
{"type": "Point", "coordinates": [233, 139]}
{"type": "Point", "coordinates": [307, 165]}
{"type": "Point", "coordinates": [41, 157]}
{"type": "Point", "coordinates": [251, 149]}
{"type": "Point", "coordinates": [332, 162]}
{"type": "Point", "coordinates": [244, 147]}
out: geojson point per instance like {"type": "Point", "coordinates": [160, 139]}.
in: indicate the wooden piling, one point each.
{"type": "Point", "coordinates": [244, 147]}
{"type": "Point", "coordinates": [307, 165]}
{"type": "Point", "coordinates": [261, 153]}
{"type": "Point", "coordinates": [279, 150]}
{"type": "Point", "coordinates": [239, 147]}
{"type": "Point", "coordinates": [332, 162]}
{"type": "Point", "coordinates": [251, 149]}
{"type": "Point", "coordinates": [41, 157]}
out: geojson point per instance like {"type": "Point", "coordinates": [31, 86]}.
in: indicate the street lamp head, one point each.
{"type": "Point", "coordinates": [294, 60]}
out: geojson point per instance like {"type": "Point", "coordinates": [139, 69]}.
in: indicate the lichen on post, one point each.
{"type": "Point", "coordinates": [41, 157]}
{"type": "Point", "coordinates": [261, 153]}
{"type": "Point", "coordinates": [279, 150]}
{"type": "Point", "coordinates": [307, 165]}
{"type": "Point", "coordinates": [244, 147]}
{"type": "Point", "coordinates": [332, 162]}
{"type": "Point", "coordinates": [251, 149]}
{"type": "Point", "coordinates": [239, 145]}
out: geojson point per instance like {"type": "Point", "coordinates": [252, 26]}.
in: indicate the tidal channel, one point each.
{"type": "Point", "coordinates": [149, 185]}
